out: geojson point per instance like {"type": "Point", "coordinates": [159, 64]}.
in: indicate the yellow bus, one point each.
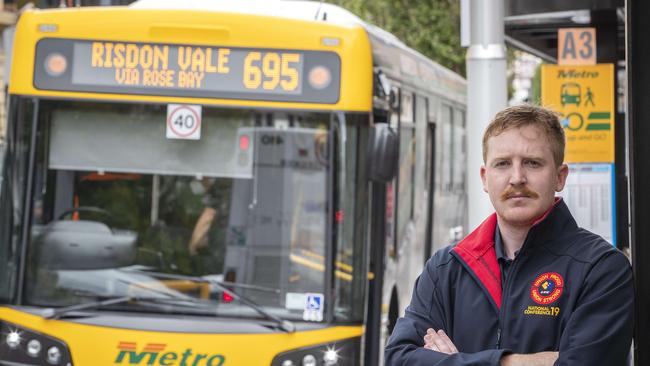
{"type": "Point", "coordinates": [219, 183]}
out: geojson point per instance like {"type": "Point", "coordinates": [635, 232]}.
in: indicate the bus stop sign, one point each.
{"type": "Point", "coordinates": [584, 96]}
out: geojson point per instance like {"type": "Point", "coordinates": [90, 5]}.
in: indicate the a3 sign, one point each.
{"type": "Point", "coordinates": [576, 46]}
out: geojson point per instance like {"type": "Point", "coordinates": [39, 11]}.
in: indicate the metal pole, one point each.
{"type": "Point", "coordinates": [487, 91]}
{"type": "Point", "coordinates": [638, 130]}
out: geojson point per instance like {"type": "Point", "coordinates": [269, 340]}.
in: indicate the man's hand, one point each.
{"type": "Point", "coordinates": [533, 359]}
{"type": "Point", "coordinates": [439, 342]}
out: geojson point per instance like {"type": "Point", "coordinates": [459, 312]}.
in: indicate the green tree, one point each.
{"type": "Point", "coordinates": [432, 26]}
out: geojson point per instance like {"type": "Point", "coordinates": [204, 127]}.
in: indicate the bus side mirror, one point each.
{"type": "Point", "coordinates": [382, 153]}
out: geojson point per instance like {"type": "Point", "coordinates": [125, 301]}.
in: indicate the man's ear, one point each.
{"type": "Point", "coordinates": [483, 178]}
{"type": "Point", "coordinates": [562, 174]}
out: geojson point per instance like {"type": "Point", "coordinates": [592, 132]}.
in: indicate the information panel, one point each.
{"type": "Point", "coordinates": [589, 194]}
{"type": "Point", "coordinates": [187, 70]}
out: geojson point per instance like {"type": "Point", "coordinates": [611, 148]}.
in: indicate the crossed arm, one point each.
{"type": "Point", "coordinates": [440, 342]}
{"type": "Point", "coordinates": [598, 331]}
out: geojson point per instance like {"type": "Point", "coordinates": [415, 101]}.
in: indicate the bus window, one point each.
{"type": "Point", "coordinates": [422, 158]}
{"type": "Point", "coordinates": [245, 204]}
{"type": "Point", "coordinates": [460, 152]}
{"type": "Point", "coordinates": [406, 169]}
{"type": "Point", "coordinates": [156, 154]}
{"type": "Point", "coordinates": [447, 148]}
{"type": "Point", "coordinates": [12, 191]}
{"type": "Point", "coordinates": [349, 261]}
{"type": "Point", "coordinates": [406, 107]}
{"type": "Point", "coordinates": [431, 150]}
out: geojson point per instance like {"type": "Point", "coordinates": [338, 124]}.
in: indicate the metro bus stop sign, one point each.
{"type": "Point", "coordinates": [584, 96]}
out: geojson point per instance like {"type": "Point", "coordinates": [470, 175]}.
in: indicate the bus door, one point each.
{"type": "Point", "coordinates": [426, 128]}
{"type": "Point", "coordinates": [382, 234]}
{"type": "Point", "coordinates": [290, 161]}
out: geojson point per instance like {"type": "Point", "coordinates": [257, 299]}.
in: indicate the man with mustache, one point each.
{"type": "Point", "coordinates": [528, 286]}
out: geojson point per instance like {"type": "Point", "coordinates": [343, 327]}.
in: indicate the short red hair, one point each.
{"type": "Point", "coordinates": [523, 115]}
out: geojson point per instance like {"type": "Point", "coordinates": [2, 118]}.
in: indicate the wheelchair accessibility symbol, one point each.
{"type": "Point", "coordinates": [313, 307]}
{"type": "Point", "coordinates": [314, 302]}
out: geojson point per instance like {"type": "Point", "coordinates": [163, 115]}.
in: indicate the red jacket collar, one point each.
{"type": "Point", "coordinates": [478, 253]}
{"type": "Point", "coordinates": [479, 241]}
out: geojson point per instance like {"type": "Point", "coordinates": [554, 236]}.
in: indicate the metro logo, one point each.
{"type": "Point", "coordinates": [152, 354]}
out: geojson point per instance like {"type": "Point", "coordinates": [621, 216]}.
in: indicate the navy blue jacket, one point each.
{"type": "Point", "coordinates": [568, 290]}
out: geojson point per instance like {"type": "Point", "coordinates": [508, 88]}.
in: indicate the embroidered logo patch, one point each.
{"type": "Point", "coordinates": [547, 288]}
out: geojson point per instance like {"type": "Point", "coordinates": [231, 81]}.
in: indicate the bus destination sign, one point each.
{"type": "Point", "coordinates": [187, 71]}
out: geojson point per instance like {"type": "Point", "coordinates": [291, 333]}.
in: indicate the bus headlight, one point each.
{"type": "Point", "coordinates": [54, 355]}
{"type": "Point", "coordinates": [331, 357]}
{"type": "Point", "coordinates": [21, 346]}
{"type": "Point", "coordinates": [13, 339]}
{"type": "Point", "coordinates": [309, 360]}
{"type": "Point", "coordinates": [33, 347]}
{"type": "Point", "coordinates": [339, 353]}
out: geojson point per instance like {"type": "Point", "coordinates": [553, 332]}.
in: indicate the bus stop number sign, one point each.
{"type": "Point", "coordinates": [576, 46]}
{"type": "Point", "coordinates": [183, 122]}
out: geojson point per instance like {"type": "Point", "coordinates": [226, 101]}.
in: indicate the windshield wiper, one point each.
{"type": "Point", "coordinates": [250, 287]}
{"type": "Point", "coordinates": [283, 324]}
{"type": "Point", "coordinates": [56, 313]}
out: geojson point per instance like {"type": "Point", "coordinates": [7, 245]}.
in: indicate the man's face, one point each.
{"type": "Point", "coordinates": [520, 175]}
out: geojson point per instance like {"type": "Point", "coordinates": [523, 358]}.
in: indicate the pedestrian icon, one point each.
{"type": "Point", "coordinates": [570, 94]}
{"type": "Point", "coordinates": [589, 98]}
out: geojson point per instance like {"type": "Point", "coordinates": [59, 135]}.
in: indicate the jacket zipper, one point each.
{"type": "Point", "coordinates": [511, 273]}
{"type": "Point", "coordinates": [498, 344]}
{"type": "Point", "coordinates": [499, 337]}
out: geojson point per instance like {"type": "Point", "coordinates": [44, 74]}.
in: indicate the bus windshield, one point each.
{"type": "Point", "coordinates": [120, 205]}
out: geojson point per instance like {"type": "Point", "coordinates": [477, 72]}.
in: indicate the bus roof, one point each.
{"type": "Point", "coordinates": [268, 24]}
{"type": "Point", "coordinates": [389, 52]}
{"type": "Point", "coordinates": [292, 9]}
{"type": "Point", "coordinates": [347, 47]}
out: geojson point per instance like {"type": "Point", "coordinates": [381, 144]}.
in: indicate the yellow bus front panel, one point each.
{"type": "Point", "coordinates": [223, 31]}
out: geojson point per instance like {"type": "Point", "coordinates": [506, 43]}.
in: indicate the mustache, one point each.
{"type": "Point", "coordinates": [519, 191]}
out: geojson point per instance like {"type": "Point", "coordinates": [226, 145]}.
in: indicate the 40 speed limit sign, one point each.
{"type": "Point", "coordinates": [183, 121]}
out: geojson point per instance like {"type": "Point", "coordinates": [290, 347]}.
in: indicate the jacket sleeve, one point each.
{"type": "Point", "coordinates": [599, 331]}
{"type": "Point", "coordinates": [406, 344]}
